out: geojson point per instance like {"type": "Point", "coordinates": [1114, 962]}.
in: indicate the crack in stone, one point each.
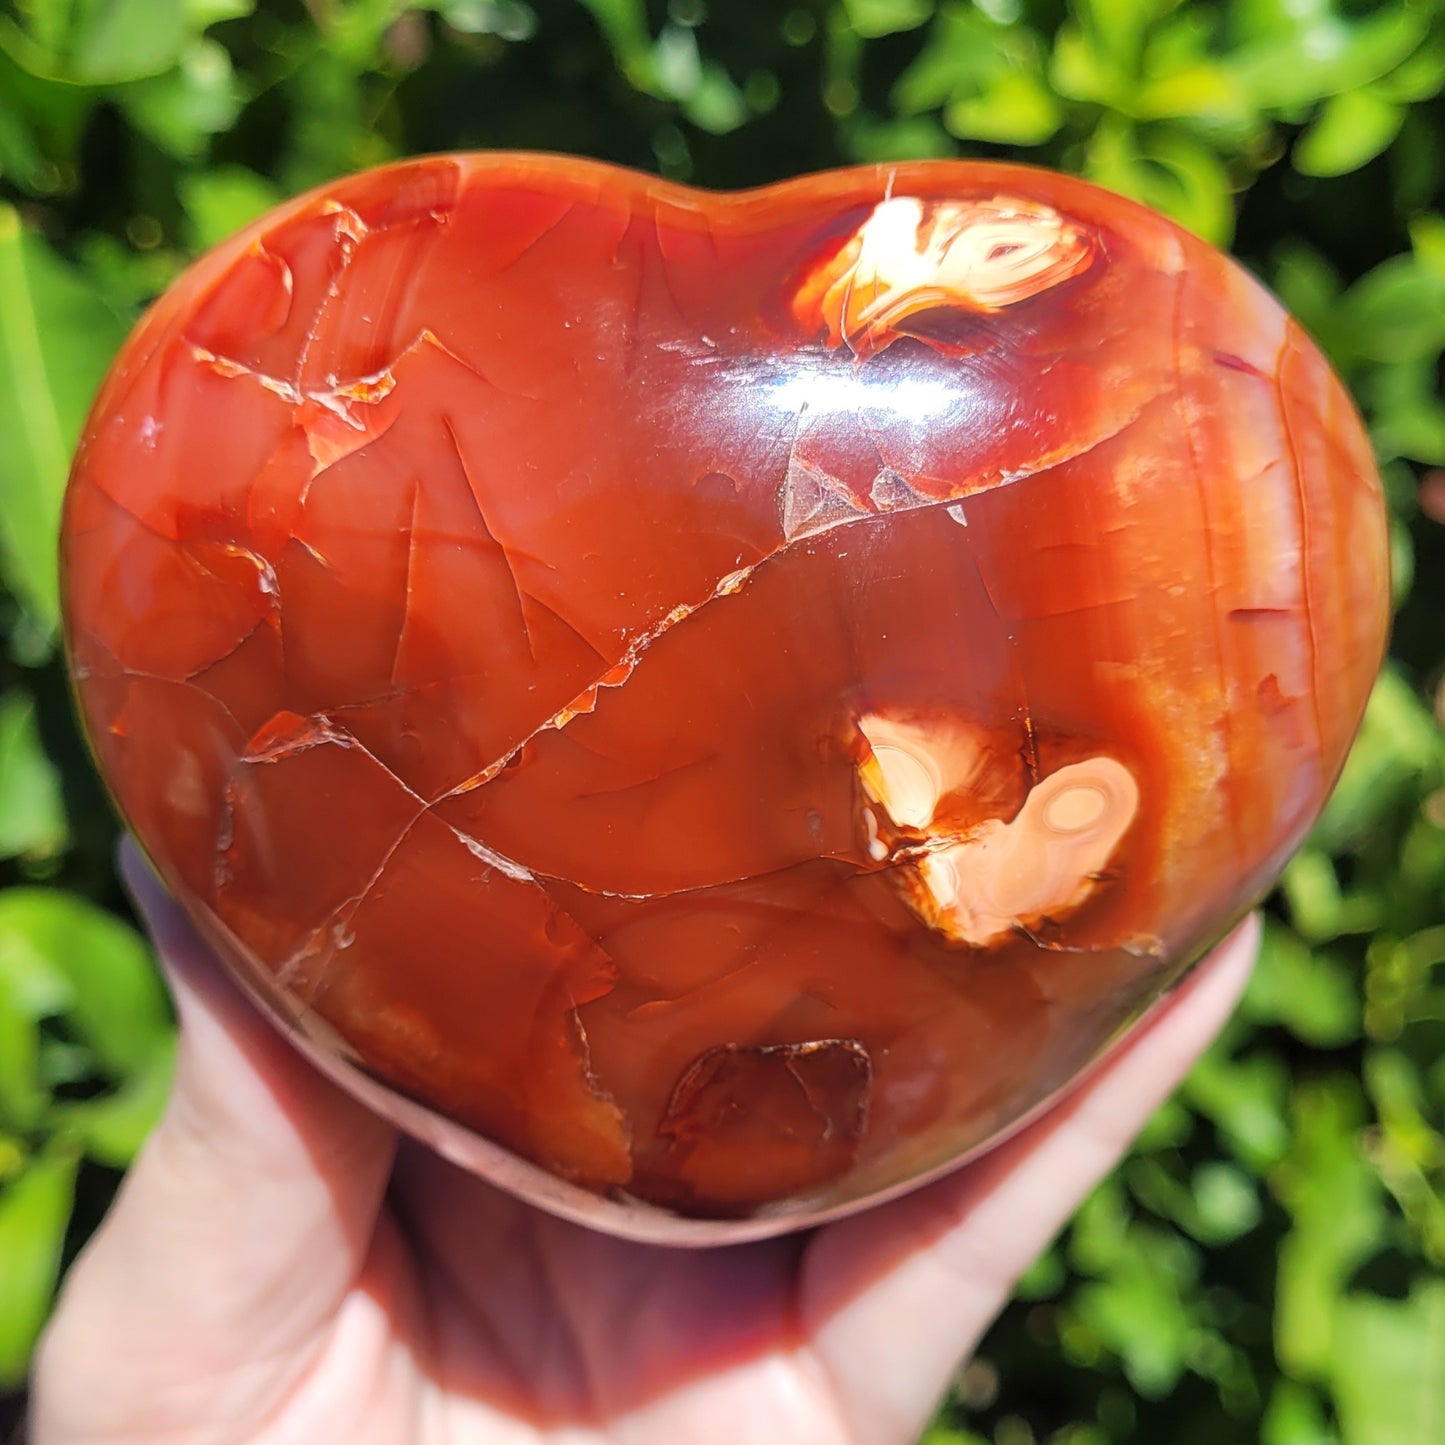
{"type": "Point", "coordinates": [615, 676]}
{"type": "Point", "coordinates": [536, 240]}
{"type": "Point", "coordinates": [337, 398]}
{"type": "Point", "coordinates": [1029, 751]}
{"type": "Point", "coordinates": [663, 266]}
{"type": "Point", "coordinates": [283, 267]}
{"type": "Point", "coordinates": [476, 495]}
{"type": "Point", "coordinates": [1306, 558]}
{"type": "Point", "coordinates": [121, 671]}
{"type": "Point", "coordinates": [858, 868]}
{"type": "Point", "coordinates": [349, 230]}
{"type": "Point", "coordinates": [406, 606]}
{"type": "Point", "coordinates": [1140, 945]}
{"type": "Point", "coordinates": [509, 866]}
{"type": "Point", "coordinates": [324, 732]}
{"type": "Point", "coordinates": [960, 490]}
{"type": "Point", "coordinates": [335, 923]}
{"type": "Point", "coordinates": [321, 733]}
{"type": "Point", "coordinates": [624, 789]}
{"type": "Point", "coordinates": [831, 506]}
{"type": "Point", "coordinates": [858, 1053]}
{"type": "Point", "coordinates": [144, 523]}
{"type": "Point", "coordinates": [193, 678]}
{"type": "Point", "coordinates": [1210, 561]}
{"type": "Point", "coordinates": [618, 673]}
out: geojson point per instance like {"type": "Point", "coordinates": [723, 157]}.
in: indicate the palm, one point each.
{"type": "Point", "coordinates": [540, 1327]}
{"type": "Point", "coordinates": [277, 1271]}
{"type": "Point", "coordinates": [475, 1318]}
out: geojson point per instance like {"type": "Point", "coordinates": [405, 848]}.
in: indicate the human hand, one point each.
{"type": "Point", "coordinates": [279, 1270]}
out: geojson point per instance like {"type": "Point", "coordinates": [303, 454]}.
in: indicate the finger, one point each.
{"type": "Point", "coordinates": [908, 1288]}
{"type": "Point", "coordinates": [244, 1220]}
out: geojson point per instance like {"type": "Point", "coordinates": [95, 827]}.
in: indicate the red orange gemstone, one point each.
{"type": "Point", "coordinates": [714, 707]}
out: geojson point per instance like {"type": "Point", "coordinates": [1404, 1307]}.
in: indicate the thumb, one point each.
{"type": "Point", "coordinates": [238, 1232]}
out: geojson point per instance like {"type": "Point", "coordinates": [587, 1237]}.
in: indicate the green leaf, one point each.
{"type": "Point", "coordinates": [1171, 1125]}
{"type": "Point", "coordinates": [32, 808]}
{"type": "Point", "coordinates": [34, 1213]}
{"type": "Point", "coordinates": [1219, 1203]}
{"type": "Point", "coordinates": [1386, 1367]}
{"type": "Point", "coordinates": [1312, 890]}
{"type": "Point", "coordinates": [1015, 109]}
{"type": "Point", "coordinates": [13, 1157]}
{"type": "Point", "coordinates": [120, 40]}
{"type": "Point", "coordinates": [624, 24]}
{"type": "Point", "coordinates": [1245, 1099]}
{"type": "Point", "coordinates": [22, 1100]}
{"type": "Point", "coordinates": [1324, 55]}
{"type": "Point", "coordinates": [1140, 1312]}
{"type": "Point", "coordinates": [1167, 169]}
{"type": "Point", "coordinates": [116, 1004]}
{"type": "Point", "coordinates": [112, 1127]}
{"type": "Point", "coordinates": [1081, 71]}
{"type": "Point", "coordinates": [965, 51]}
{"type": "Point", "coordinates": [354, 34]}
{"type": "Point", "coordinates": [676, 64]}
{"type": "Point", "coordinates": [1205, 89]}
{"type": "Point", "coordinates": [1195, 188]}
{"type": "Point", "coordinates": [716, 105]}
{"type": "Point", "coordinates": [56, 339]}
{"type": "Point", "coordinates": [1407, 1149]}
{"type": "Point", "coordinates": [1226, 1202]}
{"type": "Point", "coordinates": [182, 109]}
{"type": "Point", "coordinates": [939, 1434]}
{"type": "Point", "coordinates": [64, 1065]}
{"type": "Point", "coordinates": [1310, 288]}
{"type": "Point", "coordinates": [102, 42]}
{"type": "Point", "coordinates": [875, 18]}
{"type": "Point", "coordinates": [1352, 129]}
{"type": "Point", "coordinates": [1397, 742]}
{"type": "Point", "coordinates": [1313, 995]}
{"type": "Point", "coordinates": [1099, 1236]}
{"type": "Point", "coordinates": [37, 986]}
{"type": "Point", "coordinates": [1427, 240]}
{"type": "Point", "coordinates": [509, 19]}
{"type": "Point", "coordinates": [1421, 77]}
{"type": "Point", "coordinates": [916, 138]}
{"type": "Point", "coordinates": [22, 158]}
{"type": "Point", "coordinates": [222, 199]}
{"type": "Point", "coordinates": [1336, 1203]}
{"type": "Point", "coordinates": [201, 14]}
{"type": "Point", "coordinates": [1397, 311]}
{"type": "Point", "coordinates": [1407, 411]}
{"type": "Point", "coordinates": [1117, 27]}
{"type": "Point", "coordinates": [707, 95]}
{"type": "Point", "coordinates": [1044, 1278]}
{"type": "Point", "coordinates": [1295, 1417]}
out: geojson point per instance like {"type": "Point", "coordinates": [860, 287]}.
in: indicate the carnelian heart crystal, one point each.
{"type": "Point", "coordinates": [710, 708]}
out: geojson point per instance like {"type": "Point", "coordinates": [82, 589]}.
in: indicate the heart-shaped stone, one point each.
{"type": "Point", "coordinates": [710, 709]}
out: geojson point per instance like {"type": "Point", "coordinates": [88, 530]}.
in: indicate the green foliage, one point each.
{"type": "Point", "coordinates": [33, 1212]}
{"type": "Point", "coordinates": [85, 1052]}
{"type": "Point", "coordinates": [1268, 1263]}
{"type": "Point", "coordinates": [1178, 105]}
{"type": "Point", "coordinates": [56, 337]}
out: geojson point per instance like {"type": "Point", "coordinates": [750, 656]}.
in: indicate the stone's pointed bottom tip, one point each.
{"type": "Point", "coordinates": [718, 706]}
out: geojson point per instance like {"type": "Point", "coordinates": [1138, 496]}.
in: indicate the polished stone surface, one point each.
{"type": "Point", "coordinates": [712, 708]}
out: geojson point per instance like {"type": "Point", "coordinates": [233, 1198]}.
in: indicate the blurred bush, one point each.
{"type": "Point", "coordinates": [1268, 1263]}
